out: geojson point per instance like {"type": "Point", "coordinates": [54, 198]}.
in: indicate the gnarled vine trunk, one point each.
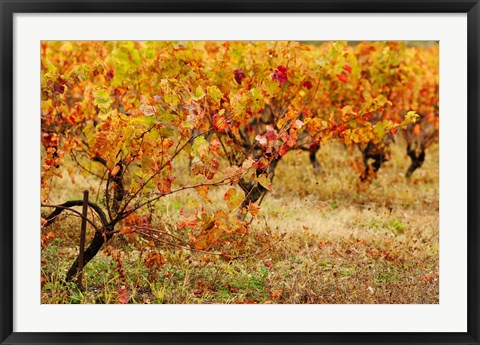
{"type": "Point", "coordinates": [417, 158]}
{"type": "Point", "coordinates": [103, 235]}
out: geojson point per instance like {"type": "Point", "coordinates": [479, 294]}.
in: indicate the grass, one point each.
{"type": "Point", "coordinates": [342, 244]}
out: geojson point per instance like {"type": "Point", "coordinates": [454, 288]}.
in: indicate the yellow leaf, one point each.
{"type": "Point", "coordinates": [233, 198]}
{"type": "Point", "coordinates": [203, 192]}
{"type": "Point", "coordinates": [264, 181]}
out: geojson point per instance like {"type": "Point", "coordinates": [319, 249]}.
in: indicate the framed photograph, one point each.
{"type": "Point", "coordinates": [239, 172]}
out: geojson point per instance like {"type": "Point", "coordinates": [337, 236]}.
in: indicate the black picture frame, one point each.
{"type": "Point", "coordinates": [9, 7]}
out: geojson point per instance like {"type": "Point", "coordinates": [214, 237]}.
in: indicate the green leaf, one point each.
{"type": "Point", "coordinates": [200, 146]}
{"type": "Point", "coordinates": [102, 99]}
{"type": "Point", "coordinates": [380, 129]}
{"type": "Point", "coordinates": [167, 117]}
{"type": "Point", "coordinates": [199, 93]}
{"type": "Point", "coordinates": [214, 94]}
{"type": "Point", "coordinates": [233, 198]}
{"type": "Point", "coordinates": [166, 132]}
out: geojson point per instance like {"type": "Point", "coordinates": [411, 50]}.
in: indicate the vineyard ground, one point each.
{"type": "Point", "coordinates": [342, 245]}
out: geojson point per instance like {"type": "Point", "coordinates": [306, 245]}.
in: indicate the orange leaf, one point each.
{"type": "Point", "coordinates": [165, 185]}
{"type": "Point", "coordinates": [115, 170]}
{"type": "Point", "coordinates": [219, 123]}
{"type": "Point", "coordinates": [126, 230]}
{"type": "Point", "coordinates": [275, 294]}
{"type": "Point", "coordinates": [416, 129]}
{"type": "Point", "coordinates": [253, 209]}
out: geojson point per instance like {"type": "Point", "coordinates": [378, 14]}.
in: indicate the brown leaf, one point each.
{"type": "Point", "coordinates": [275, 294]}
{"type": "Point", "coordinates": [122, 295]}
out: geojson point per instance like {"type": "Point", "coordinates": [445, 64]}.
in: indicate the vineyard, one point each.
{"type": "Point", "coordinates": [239, 172]}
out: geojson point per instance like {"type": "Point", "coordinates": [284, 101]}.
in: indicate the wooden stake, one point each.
{"type": "Point", "coordinates": [82, 240]}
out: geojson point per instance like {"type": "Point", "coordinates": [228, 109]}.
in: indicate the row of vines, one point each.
{"type": "Point", "coordinates": [124, 113]}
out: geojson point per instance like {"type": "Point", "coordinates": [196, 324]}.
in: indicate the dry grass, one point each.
{"type": "Point", "coordinates": [343, 245]}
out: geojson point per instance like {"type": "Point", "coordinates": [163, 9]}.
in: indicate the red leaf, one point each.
{"type": "Point", "coordinates": [347, 67]}
{"type": "Point", "coordinates": [110, 74]}
{"type": "Point", "coordinates": [271, 135]}
{"type": "Point", "coordinates": [261, 164]}
{"type": "Point", "coordinates": [58, 88]}
{"type": "Point", "coordinates": [239, 75]}
{"type": "Point", "coordinates": [280, 75]}
{"type": "Point", "coordinates": [343, 77]}
{"type": "Point", "coordinates": [307, 84]}
{"type": "Point", "coordinates": [283, 150]}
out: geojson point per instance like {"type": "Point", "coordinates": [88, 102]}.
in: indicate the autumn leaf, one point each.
{"type": "Point", "coordinates": [275, 294]}
{"type": "Point", "coordinates": [199, 93]}
{"type": "Point", "coordinates": [122, 294]}
{"type": "Point", "coordinates": [280, 75]}
{"type": "Point", "coordinates": [200, 146]}
{"type": "Point", "coordinates": [126, 230]}
{"type": "Point", "coordinates": [233, 198]}
{"type": "Point", "coordinates": [416, 129]}
{"type": "Point", "coordinates": [215, 145]}
{"type": "Point", "coordinates": [220, 123]}
{"type": "Point", "coordinates": [203, 192]}
{"type": "Point", "coordinates": [154, 259]}
{"type": "Point", "coordinates": [165, 185]}
{"type": "Point", "coordinates": [262, 139]}
{"type": "Point", "coordinates": [297, 124]}
{"type": "Point", "coordinates": [264, 181]}
{"type": "Point", "coordinates": [239, 75]}
{"type": "Point", "coordinates": [102, 99]}
{"type": "Point", "coordinates": [59, 88]}
{"type": "Point", "coordinates": [110, 74]}
{"type": "Point", "coordinates": [253, 209]}
{"type": "Point", "coordinates": [412, 116]}
{"type": "Point", "coordinates": [147, 110]}
{"type": "Point", "coordinates": [115, 170]}
{"type": "Point", "coordinates": [343, 77]}
{"type": "Point", "coordinates": [261, 164]}
{"type": "Point", "coordinates": [347, 68]}
{"type": "Point", "coordinates": [214, 94]}
{"type": "Point", "coordinates": [212, 168]}
{"type": "Point", "coordinates": [307, 84]}
{"type": "Point", "coordinates": [271, 135]}
{"type": "Point", "coordinates": [380, 129]}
